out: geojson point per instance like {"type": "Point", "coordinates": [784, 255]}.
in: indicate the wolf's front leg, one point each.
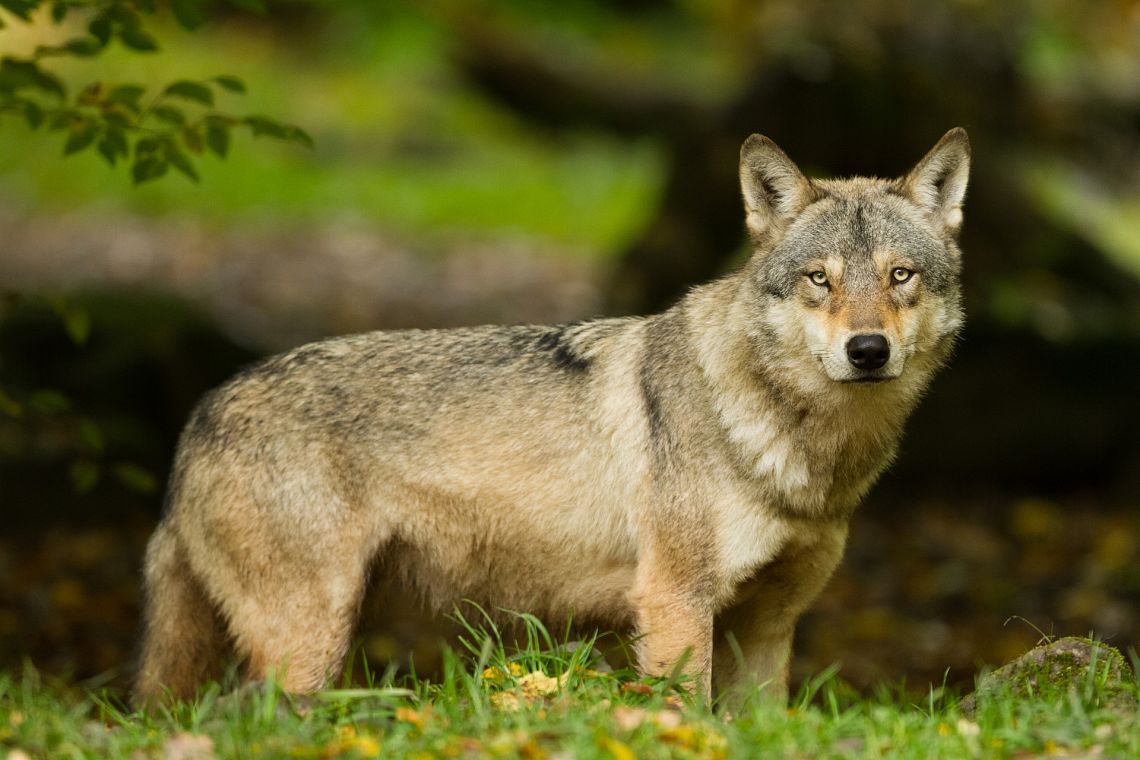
{"type": "Point", "coordinates": [753, 655]}
{"type": "Point", "coordinates": [754, 635]}
{"type": "Point", "coordinates": [674, 625]}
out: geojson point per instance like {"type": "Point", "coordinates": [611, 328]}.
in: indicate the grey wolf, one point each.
{"type": "Point", "coordinates": [688, 476]}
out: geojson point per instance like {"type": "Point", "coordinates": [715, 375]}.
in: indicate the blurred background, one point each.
{"type": "Point", "coordinates": [525, 161]}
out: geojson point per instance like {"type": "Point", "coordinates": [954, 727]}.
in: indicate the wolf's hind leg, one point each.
{"type": "Point", "coordinates": [183, 639]}
{"type": "Point", "coordinates": [301, 633]}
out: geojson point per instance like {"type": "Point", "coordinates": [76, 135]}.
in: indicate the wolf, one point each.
{"type": "Point", "coordinates": [688, 477]}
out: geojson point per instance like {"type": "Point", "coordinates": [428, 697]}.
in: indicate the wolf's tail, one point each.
{"type": "Point", "coordinates": [183, 639]}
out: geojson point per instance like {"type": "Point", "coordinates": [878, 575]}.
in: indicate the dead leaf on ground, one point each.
{"type": "Point", "coordinates": [187, 746]}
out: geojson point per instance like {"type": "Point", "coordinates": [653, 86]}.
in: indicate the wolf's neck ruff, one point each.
{"type": "Point", "coordinates": [811, 446]}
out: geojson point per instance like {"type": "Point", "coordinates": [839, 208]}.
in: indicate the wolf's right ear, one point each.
{"type": "Point", "coordinates": [774, 188]}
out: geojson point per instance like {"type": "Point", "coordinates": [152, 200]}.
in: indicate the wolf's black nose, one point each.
{"type": "Point", "coordinates": [868, 351]}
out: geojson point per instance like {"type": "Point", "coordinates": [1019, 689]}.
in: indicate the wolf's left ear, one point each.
{"type": "Point", "coordinates": [774, 188]}
{"type": "Point", "coordinates": [938, 182]}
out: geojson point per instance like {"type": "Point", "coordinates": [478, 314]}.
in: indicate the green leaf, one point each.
{"type": "Point", "coordinates": [119, 115]}
{"type": "Point", "coordinates": [83, 133]}
{"type": "Point", "coordinates": [170, 114]}
{"type": "Point", "coordinates": [34, 114]}
{"type": "Point", "coordinates": [298, 135]}
{"type": "Point", "coordinates": [9, 405]}
{"type": "Point", "coordinates": [127, 95]}
{"type": "Point", "coordinates": [106, 150]}
{"type": "Point", "coordinates": [59, 11]}
{"type": "Point", "coordinates": [180, 161]}
{"type": "Point", "coordinates": [188, 13]}
{"type": "Point", "coordinates": [21, 8]}
{"type": "Point", "coordinates": [231, 83]}
{"type": "Point", "coordinates": [84, 475]}
{"type": "Point", "coordinates": [136, 478]}
{"type": "Point", "coordinates": [84, 47]}
{"type": "Point", "coordinates": [149, 6]}
{"type": "Point", "coordinates": [113, 145]}
{"type": "Point", "coordinates": [146, 169]}
{"type": "Point", "coordinates": [92, 436]}
{"type": "Point", "coordinates": [63, 118]}
{"type": "Point", "coordinates": [218, 138]}
{"type": "Point", "coordinates": [81, 47]}
{"type": "Point", "coordinates": [192, 139]}
{"type": "Point", "coordinates": [48, 401]}
{"type": "Point", "coordinates": [91, 95]}
{"type": "Point", "coordinates": [256, 6]}
{"type": "Point", "coordinates": [16, 74]}
{"type": "Point", "coordinates": [100, 28]}
{"type": "Point", "coordinates": [137, 39]}
{"type": "Point", "coordinates": [195, 91]}
{"type": "Point", "coordinates": [263, 126]}
{"type": "Point", "coordinates": [147, 147]}
{"type": "Point", "coordinates": [77, 323]}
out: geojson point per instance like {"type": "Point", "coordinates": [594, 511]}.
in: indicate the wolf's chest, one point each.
{"type": "Point", "coordinates": [746, 538]}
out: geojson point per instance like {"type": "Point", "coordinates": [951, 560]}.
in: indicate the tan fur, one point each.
{"type": "Point", "coordinates": [687, 477]}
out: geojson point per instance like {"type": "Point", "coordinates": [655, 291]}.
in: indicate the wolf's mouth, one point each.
{"type": "Point", "coordinates": [869, 379]}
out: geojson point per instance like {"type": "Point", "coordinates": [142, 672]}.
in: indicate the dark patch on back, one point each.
{"type": "Point", "coordinates": [556, 342]}
{"type": "Point", "coordinates": [650, 381]}
{"type": "Point", "coordinates": [652, 406]}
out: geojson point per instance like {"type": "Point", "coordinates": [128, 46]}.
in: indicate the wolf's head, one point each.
{"type": "Point", "coordinates": [856, 278]}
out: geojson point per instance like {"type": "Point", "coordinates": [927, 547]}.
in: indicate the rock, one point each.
{"type": "Point", "coordinates": [1055, 669]}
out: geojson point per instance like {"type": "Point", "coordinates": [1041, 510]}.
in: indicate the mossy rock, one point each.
{"type": "Point", "coordinates": [1093, 670]}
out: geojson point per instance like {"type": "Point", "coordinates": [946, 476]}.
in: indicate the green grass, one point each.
{"type": "Point", "coordinates": [544, 699]}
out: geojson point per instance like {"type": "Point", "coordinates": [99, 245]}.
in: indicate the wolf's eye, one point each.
{"type": "Point", "coordinates": [900, 274]}
{"type": "Point", "coordinates": [818, 278]}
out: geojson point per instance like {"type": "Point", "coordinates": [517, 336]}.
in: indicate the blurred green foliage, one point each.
{"type": "Point", "coordinates": [605, 130]}
{"type": "Point", "coordinates": [153, 133]}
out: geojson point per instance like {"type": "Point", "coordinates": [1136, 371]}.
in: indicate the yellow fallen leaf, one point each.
{"type": "Point", "coordinates": [629, 718]}
{"type": "Point", "coordinates": [409, 715]}
{"type": "Point", "coordinates": [619, 750]}
{"type": "Point", "coordinates": [496, 673]}
{"type": "Point", "coordinates": [186, 746]}
{"type": "Point", "coordinates": [538, 684]}
{"type": "Point", "coordinates": [366, 746]}
{"type": "Point", "coordinates": [506, 700]}
{"type": "Point", "coordinates": [682, 736]}
{"type": "Point", "coordinates": [968, 727]}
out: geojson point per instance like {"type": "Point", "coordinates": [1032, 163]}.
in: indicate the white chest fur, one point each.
{"type": "Point", "coordinates": [747, 538]}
